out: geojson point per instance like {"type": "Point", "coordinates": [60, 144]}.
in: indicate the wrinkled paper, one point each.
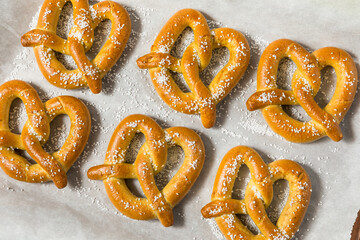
{"type": "Point", "coordinates": [82, 210]}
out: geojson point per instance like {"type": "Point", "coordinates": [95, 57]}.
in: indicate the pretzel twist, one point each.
{"type": "Point", "coordinates": [258, 196]}
{"type": "Point", "coordinates": [45, 42]}
{"type": "Point", "coordinates": [36, 132]}
{"type": "Point", "coordinates": [197, 56]}
{"type": "Point", "coordinates": [150, 160]}
{"type": "Point", "coordinates": [305, 85]}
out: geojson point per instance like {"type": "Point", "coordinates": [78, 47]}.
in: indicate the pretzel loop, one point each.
{"type": "Point", "coordinates": [126, 131]}
{"type": "Point", "coordinates": [305, 85]}
{"type": "Point", "coordinates": [36, 132]}
{"type": "Point", "coordinates": [226, 176]}
{"type": "Point", "coordinates": [80, 39]}
{"type": "Point", "coordinates": [295, 207]}
{"type": "Point", "coordinates": [158, 203]}
{"type": "Point", "coordinates": [258, 196]}
{"type": "Point", "coordinates": [175, 26]}
{"type": "Point", "coordinates": [35, 111]}
{"type": "Point", "coordinates": [201, 99]}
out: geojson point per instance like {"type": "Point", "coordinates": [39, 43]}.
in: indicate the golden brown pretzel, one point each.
{"type": "Point", "coordinates": [150, 160]}
{"type": "Point", "coordinates": [305, 85]}
{"type": "Point", "coordinates": [36, 132]}
{"type": "Point", "coordinates": [196, 57]}
{"type": "Point", "coordinates": [80, 39]}
{"type": "Point", "coordinates": [258, 196]}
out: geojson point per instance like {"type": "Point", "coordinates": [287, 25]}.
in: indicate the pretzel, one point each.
{"type": "Point", "coordinates": [196, 58]}
{"type": "Point", "coordinates": [305, 85]}
{"type": "Point", "coordinates": [258, 196]}
{"type": "Point", "coordinates": [81, 37]}
{"type": "Point", "coordinates": [36, 132]}
{"type": "Point", "coordinates": [150, 160]}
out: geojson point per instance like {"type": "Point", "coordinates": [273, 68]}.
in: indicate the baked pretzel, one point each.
{"type": "Point", "coordinates": [196, 58]}
{"type": "Point", "coordinates": [305, 85]}
{"type": "Point", "coordinates": [258, 196]}
{"type": "Point", "coordinates": [150, 160]}
{"type": "Point", "coordinates": [80, 39]}
{"type": "Point", "coordinates": [36, 132]}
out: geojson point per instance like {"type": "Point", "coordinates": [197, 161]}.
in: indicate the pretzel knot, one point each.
{"type": "Point", "coordinates": [150, 160]}
{"type": "Point", "coordinates": [258, 196]}
{"type": "Point", "coordinates": [36, 132]}
{"type": "Point", "coordinates": [305, 85]}
{"type": "Point", "coordinates": [197, 56]}
{"type": "Point", "coordinates": [80, 39]}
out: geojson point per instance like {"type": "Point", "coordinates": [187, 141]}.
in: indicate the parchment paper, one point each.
{"type": "Point", "coordinates": [82, 210]}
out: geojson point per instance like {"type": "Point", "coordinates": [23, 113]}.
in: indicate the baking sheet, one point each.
{"type": "Point", "coordinates": [83, 211]}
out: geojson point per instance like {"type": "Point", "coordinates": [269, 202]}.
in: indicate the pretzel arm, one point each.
{"type": "Point", "coordinates": [320, 116]}
{"type": "Point", "coordinates": [120, 170]}
{"type": "Point", "coordinates": [155, 59]}
{"type": "Point", "coordinates": [145, 173]}
{"type": "Point", "coordinates": [15, 168]}
{"type": "Point", "coordinates": [89, 71]}
{"type": "Point", "coordinates": [37, 37]}
{"type": "Point", "coordinates": [55, 170]}
{"type": "Point", "coordinates": [205, 100]}
{"type": "Point", "coordinates": [218, 208]}
{"type": "Point", "coordinates": [261, 99]}
{"type": "Point", "coordinates": [10, 140]}
{"type": "Point", "coordinates": [20, 169]}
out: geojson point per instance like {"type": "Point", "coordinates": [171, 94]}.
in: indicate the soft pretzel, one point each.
{"type": "Point", "coordinates": [305, 85]}
{"type": "Point", "coordinates": [258, 196]}
{"type": "Point", "coordinates": [196, 58]}
{"type": "Point", "coordinates": [36, 132]}
{"type": "Point", "coordinates": [150, 160]}
{"type": "Point", "coordinates": [80, 39]}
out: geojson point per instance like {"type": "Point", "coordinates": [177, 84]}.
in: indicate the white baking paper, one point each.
{"type": "Point", "coordinates": [82, 210]}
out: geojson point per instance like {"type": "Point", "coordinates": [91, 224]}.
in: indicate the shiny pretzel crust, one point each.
{"type": "Point", "coordinates": [202, 99]}
{"type": "Point", "coordinates": [81, 37]}
{"type": "Point", "coordinates": [305, 85]}
{"type": "Point", "coordinates": [49, 167]}
{"type": "Point", "coordinates": [258, 196]}
{"type": "Point", "coordinates": [150, 160]}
